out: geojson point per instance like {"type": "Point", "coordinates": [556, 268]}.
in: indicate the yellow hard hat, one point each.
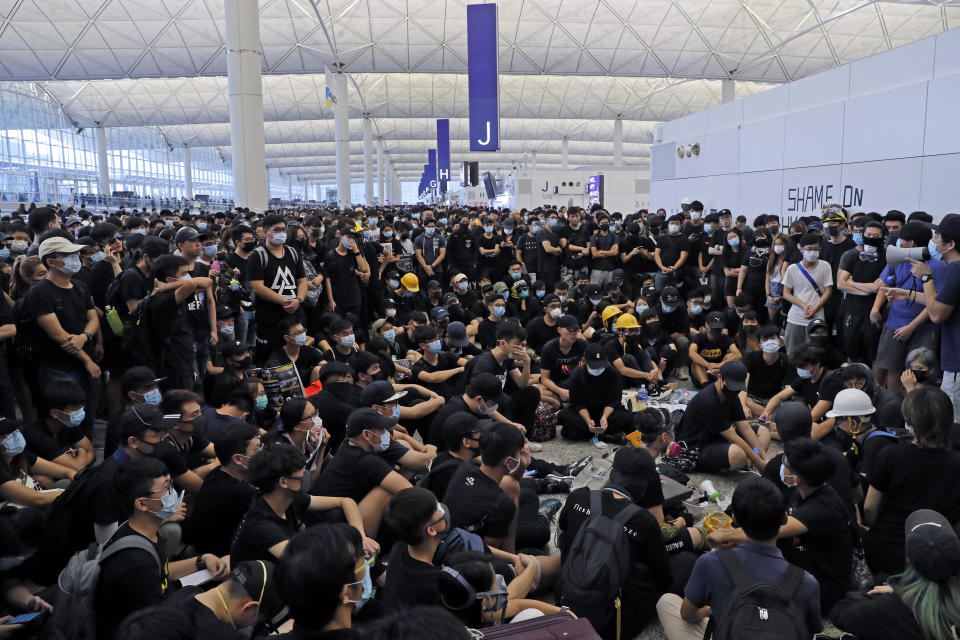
{"type": "Point", "coordinates": [609, 312]}
{"type": "Point", "coordinates": [627, 321]}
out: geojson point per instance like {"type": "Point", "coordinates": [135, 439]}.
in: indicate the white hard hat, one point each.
{"type": "Point", "coordinates": [851, 402]}
{"type": "Point", "coordinates": [686, 200]}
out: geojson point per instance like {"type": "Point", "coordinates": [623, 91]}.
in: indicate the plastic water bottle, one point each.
{"type": "Point", "coordinates": [642, 395]}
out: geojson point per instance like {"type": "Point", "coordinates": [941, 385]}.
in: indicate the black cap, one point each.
{"type": "Point", "coordinates": [9, 425]}
{"type": "Point", "coordinates": [448, 298]}
{"type": "Point", "coordinates": [794, 421]}
{"type": "Point", "coordinates": [225, 313]}
{"type": "Point", "coordinates": [231, 348]}
{"type": "Point", "coordinates": [457, 335]}
{"type": "Point", "coordinates": [486, 385]}
{"type": "Point", "coordinates": [670, 295]}
{"type": "Point", "coordinates": [439, 313]}
{"type": "Point", "coordinates": [595, 357]}
{"type": "Point", "coordinates": [932, 546]}
{"type": "Point", "coordinates": [186, 234]}
{"type": "Point", "coordinates": [715, 320]}
{"type": "Point", "coordinates": [380, 392]}
{"type": "Point", "coordinates": [258, 582]}
{"type": "Point", "coordinates": [348, 230]}
{"type": "Point", "coordinates": [433, 285]}
{"type": "Point", "coordinates": [461, 423]}
{"type": "Point", "coordinates": [633, 470]}
{"type": "Point", "coordinates": [139, 378]}
{"type": "Point", "coordinates": [568, 322]}
{"type": "Point", "coordinates": [145, 416]}
{"type": "Point", "coordinates": [948, 227]}
{"type": "Point", "coordinates": [617, 276]}
{"type": "Point", "coordinates": [591, 290]}
{"type": "Point", "coordinates": [734, 375]}
{"type": "Point", "coordinates": [367, 418]}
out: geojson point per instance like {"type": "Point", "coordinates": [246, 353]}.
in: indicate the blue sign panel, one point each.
{"type": "Point", "coordinates": [443, 153]}
{"type": "Point", "coordinates": [432, 170]}
{"type": "Point", "coordinates": [482, 73]}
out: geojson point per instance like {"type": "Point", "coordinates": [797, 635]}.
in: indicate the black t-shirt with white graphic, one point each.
{"type": "Point", "coordinates": [278, 274]}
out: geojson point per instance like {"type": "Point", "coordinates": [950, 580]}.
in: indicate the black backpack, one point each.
{"type": "Point", "coordinates": [760, 611]}
{"type": "Point", "coordinates": [597, 564]}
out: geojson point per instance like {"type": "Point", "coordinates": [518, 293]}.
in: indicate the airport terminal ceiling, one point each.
{"type": "Point", "coordinates": [568, 68]}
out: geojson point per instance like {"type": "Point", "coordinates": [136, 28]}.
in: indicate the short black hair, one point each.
{"type": "Point", "coordinates": [768, 330]}
{"type": "Point", "coordinates": [338, 325]}
{"type": "Point", "coordinates": [651, 422]}
{"type": "Point", "coordinates": [313, 569]}
{"type": "Point", "coordinates": [160, 622]}
{"type": "Point", "coordinates": [241, 399]}
{"type": "Point", "coordinates": [135, 478]}
{"type": "Point", "coordinates": [895, 216]}
{"type": "Point", "coordinates": [423, 623]}
{"type": "Point", "coordinates": [424, 334]}
{"type": "Point", "coordinates": [809, 238]}
{"type": "Point", "coordinates": [276, 460]}
{"type": "Point", "coordinates": [361, 361]}
{"type": "Point", "coordinates": [62, 395]}
{"type": "Point", "coordinates": [272, 219]}
{"type": "Point", "coordinates": [232, 440]}
{"type": "Point", "coordinates": [409, 512]}
{"type": "Point", "coordinates": [807, 354]}
{"type": "Point", "coordinates": [696, 205]}
{"type": "Point", "coordinates": [929, 412]}
{"type": "Point", "coordinates": [758, 508]}
{"type": "Point", "coordinates": [917, 232]}
{"type": "Point", "coordinates": [167, 266]}
{"type": "Point", "coordinates": [500, 442]}
{"type": "Point", "coordinates": [288, 323]}
{"type": "Point", "coordinates": [510, 330]}
{"type": "Point", "coordinates": [809, 458]}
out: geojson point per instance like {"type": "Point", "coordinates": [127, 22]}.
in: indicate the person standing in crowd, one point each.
{"type": "Point", "coordinates": [278, 282]}
{"type": "Point", "coordinates": [807, 285]}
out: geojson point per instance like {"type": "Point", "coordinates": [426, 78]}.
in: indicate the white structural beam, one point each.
{"type": "Point", "coordinates": [380, 169]}
{"type": "Point", "coordinates": [102, 162]}
{"type": "Point", "coordinates": [618, 142]}
{"type": "Point", "coordinates": [187, 173]}
{"type": "Point", "coordinates": [368, 161]}
{"type": "Point", "coordinates": [245, 95]}
{"type": "Point", "coordinates": [341, 124]}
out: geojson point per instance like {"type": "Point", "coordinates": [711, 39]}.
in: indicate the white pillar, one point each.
{"type": "Point", "coordinates": [102, 163]}
{"type": "Point", "coordinates": [564, 161]}
{"type": "Point", "coordinates": [380, 168]}
{"type": "Point", "coordinates": [618, 142]}
{"type": "Point", "coordinates": [341, 129]}
{"type": "Point", "coordinates": [289, 187]}
{"type": "Point", "coordinates": [533, 163]}
{"type": "Point", "coordinates": [187, 173]}
{"type": "Point", "coordinates": [367, 161]}
{"type": "Point", "coordinates": [245, 93]}
{"type": "Point", "coordinates": [728, 91]}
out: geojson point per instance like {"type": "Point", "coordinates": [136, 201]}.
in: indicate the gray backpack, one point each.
{"type": "Point", "coordinates": [73, 616]}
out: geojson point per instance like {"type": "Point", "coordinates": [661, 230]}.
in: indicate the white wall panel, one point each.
{"type": "Point", "coordinates": [726, 115]}
{"type": "Point", "coordinates": [721, 150]}
{"type": "Point", "coordinates": [806, 190]}
{"type": "Point", "coordinates": [682, 129]}
{"type": "Point", "coordinates": [942, 134]}
{"type": "Point", "coordinates": [885, 184]}
{"type": "Point", "coordinates": [938, 186]}
{"type": "Point", "coordinates": [894, 68]}
{"type": "Point", "coordinates": [758, 193]}
{"type": "Point", "coordinates": [721, 192]}
{"type": "Point", "coordinates": [761, 145]}
{"type": "Point", "coordinates": [662, 194]}
{"type": "Point", "coordinates": [767, 104]}
{"type": "Point", "coordinates": [814, 136]}
{"type": "Point", "coordinates": [947, 58]}
{"type": "Point", "coordinates": [820, 89]}
{"type": "Point", "coordinates": [885, 125]}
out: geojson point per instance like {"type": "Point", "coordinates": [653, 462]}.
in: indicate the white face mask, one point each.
{"type": "Point", "coordinates": [674, 228]}
{"type": "Point", "coordinates": [595, 372]}
{"type": "Point", "coordinates": [811, 256]}
{"type": "Point", "coordinates": [694, 215]}
{"type": "Point", "coordinates": [556, 313]}
{"type": "Point", "coordinates": [778, 248]}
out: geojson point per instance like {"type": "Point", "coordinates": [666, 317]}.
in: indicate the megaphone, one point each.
{"type": "Point", "coordinates": [710, 491]}
{"type": "Point", "coordinates": [896, 255]}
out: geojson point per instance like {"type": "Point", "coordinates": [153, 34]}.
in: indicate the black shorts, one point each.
{"type": "Point", "coordinates": [714, 457]}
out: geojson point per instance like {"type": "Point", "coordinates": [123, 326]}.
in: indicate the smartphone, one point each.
{"type": "Point", "coordinates": [21, 619]}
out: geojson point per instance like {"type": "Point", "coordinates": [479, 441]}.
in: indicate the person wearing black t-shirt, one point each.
{"type": "Point", "coordinates": [276, 513]}
{"type": "Point", "coordinates": [510, 363]}
{"type": "Point", "coordinates": [336, 401]}
{"type": "Point", "coordinates": [437, 370]}
{"type": "Point", "coordinates": [560, 356]}
{"type": "Point", "coordinates": [628, 356]}
{"type": "Point", "coordinates": [305, 358]}
{"type": "Point", "coordinates": [139, 577]}
{"type": "Point", "coordinates": [480, 398]}
{"type": "Point", "coordinates": [278, 282]}
{"type": "Point", "coordinates": [604, 249]}
{"type": "Point", "coordinates": [768, 369]}
{"type": "Point", "coordinates": [358, 473]}
{"type": "Point", "coordinates": [421, 523]}
{"type": "Point", "coordinates": [543, 328]}
{"type": "Point", "coordinates": [575, 240]}
{"type": "Point", "coordinates": [709, 350]}
{"type": "Point", "coordinates": [484, 330]}
{"type": "Point", "coordinates": [816, 536]}
{"type": "Point", "coordinates": [550, 250]}
{"type": "Point", "coordinates": [858, 276]}
{"type": "Point", "coordinates": [671, 254]}
{"type": "Point", "coordinates": [57, 436]}
{"type": "Point", "coordinates": [714, 421]}
{"type": "Point", "coordinates": [595, 401]}
{"type": "Point", "coordinates": [248, 596]}
{"type": "Point", "coordinates": [811, 375]}
{"type": "Point", "coordinates": [239, 259]}
{"type": "Point", "coordinates": [636, 256]}
{"type": "Point", "coordinates": [225, 496]}
{"type": "Point", "coordinates": [201, 306]}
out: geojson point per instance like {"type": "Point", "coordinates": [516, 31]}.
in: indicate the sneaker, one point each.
{"type": "Point", "coordinates": [597, 444]}
{"type": "Point", "coordinates": [682, 373]}
{"type": "Point", "coordinates": [549, 508]}
{"type": "Point", "coordinates": [535, 447]}
{"type": "Point", "coordinates": [555, 484]}
{"type": "Point", "coordinates": [576, 467]}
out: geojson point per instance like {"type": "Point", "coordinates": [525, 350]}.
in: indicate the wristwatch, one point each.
{"type": "Point", "coordinates": [927, 277]}
{"type": "Point", "coordinates": [201, 565]}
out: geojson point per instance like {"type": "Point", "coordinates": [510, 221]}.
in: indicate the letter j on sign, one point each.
{"type": "Point", "coordinates": [482, 73]}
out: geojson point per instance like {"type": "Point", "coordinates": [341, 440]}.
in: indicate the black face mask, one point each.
{"type": "Point", "coordinates": [761, 243]}
{"type": "Point", "coordinates": [873, 242]}
{"type": "Point", "coordinates": [242, 363]}
{"type": "Point", "coordinates": [796, 237]}
{"type": "Point", "coordinates": [604, 227]}
{"type": "Point", "coordinates": [652, 328]}
{"type": "Point", "coordinates": [819, 340]}
{"type": "Point", "coordinates": [832, 231]}
{"type": "Point", "coordinates": [249, 246]}
{"type": "Point", "coordinates": [920, 375]}
{"type": "Point", "coordinates": [632, 339]}
{"type": "Point", "coordinates": [751, 329]}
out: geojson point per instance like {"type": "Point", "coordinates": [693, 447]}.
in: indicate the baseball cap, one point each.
{"type": "Point", "coordinates": [486, 385]}
{"type": "Point", "coordinates": [794, 421]}
{"type": "Point", "coordinates": [461, 423]}
{"type": "Point", "coordinates": [595, 357]}
{"type": "Point", "coordinates": [367, 418]}
{"type": "Point", "coordinates": [410, 282]}
{"type": "Point", "coordinates": [433, 285]}
{"type": "Point", "coordinates": [224, 312]}
{"type": "Point", "coordinates": [591, 290]}
{"type": "Point", "coordinates": [715, 320]}
{"type": "Point", "coordinates": [230, 348]}
{"type": "Point", "coordinates": [734, 375]}
{"type": "Point", "coordinates": [633, 470]}
{"type": "Point", "coordinates": [499, 287]}
{"type": "Point", "coordinates": [439, 313]}
{"type": "Point", "coordinates": [348, 230]}
{"type": "Point", "coordinates": [57, 244]}
{"type": "Point", "coordinates": [932, 546]}
{"type": "Point", "coordinates": [618, 275]}
{"type": "Point", "coordinates": [380, 392]}
{"type": "Point", "coordinates": [145, 416]}
{"type": "Point", "coordinates": [186, 234]}
{"type": "Point", "coordinates": [948, 227]}
{"type": "Point", "coordinates": [670, 295]}
{"type": "Point", "coordinates": [448, 298]}
{"type": "Point", "coordinates": [815, 225]}
{"type": "Point", "coordinates": [9, 425]}
{"type": "Point", "coordinates": [457, 334]}
{"type": "Point", "coordinates": [568, 322]}
{"type": "Point", "coordinates": [460, 276]}
{"type": "Point", "coordinates": [139, 378]}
